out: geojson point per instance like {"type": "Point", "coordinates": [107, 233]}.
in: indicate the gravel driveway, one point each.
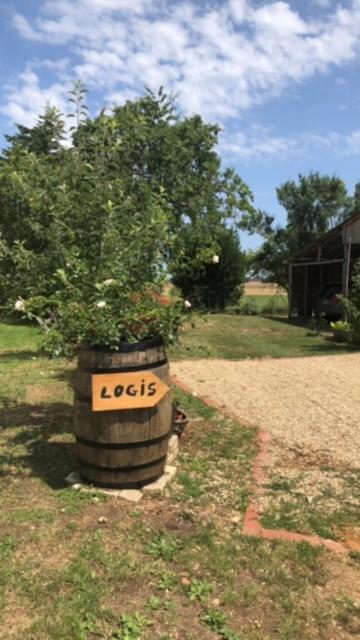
{"type": "Point", "coordinates": [309, 404]}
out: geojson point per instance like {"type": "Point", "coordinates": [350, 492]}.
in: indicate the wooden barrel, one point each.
{"type": "Point", "coordinates": [125, 448]}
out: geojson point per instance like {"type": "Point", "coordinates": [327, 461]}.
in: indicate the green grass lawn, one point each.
{"type": "Point", "coordinates": [82, 566]}
{"type": "Point", "coordinates": [19, 337]}
{"type": "Point", "coordinates": [237, 337]}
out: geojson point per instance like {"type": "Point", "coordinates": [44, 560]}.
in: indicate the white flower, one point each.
{"type": "Point", "coordinates": [108, 281]}
{"type": "Point", "coordinates": [101, 304]}
{"type": "Point", "coordinates": [215, 259]}
{"type": "Point", "coordinates": [187, 304]}
{"type": "Point", "coordinates": [19, 305]}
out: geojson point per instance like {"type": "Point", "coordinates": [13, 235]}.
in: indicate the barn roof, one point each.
{"type": "Point", "coordinates": [331, 243]}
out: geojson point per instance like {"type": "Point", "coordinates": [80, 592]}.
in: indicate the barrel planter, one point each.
{"type": "Point", "coordinates": [124, 448]}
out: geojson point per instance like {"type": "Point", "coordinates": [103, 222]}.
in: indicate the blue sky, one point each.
{"type": "Point", "coordinates": [282, 78]}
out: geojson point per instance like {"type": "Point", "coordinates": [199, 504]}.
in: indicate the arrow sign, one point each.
{"type": "Point", "coordinates": [113, 391]}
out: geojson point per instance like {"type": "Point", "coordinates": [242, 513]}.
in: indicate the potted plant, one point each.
{"type": "Point", "coordinates": [342, 331]}
{"type": "Point", "coordinates": [97, 224]}
{"type": "Point", "coordinates": [180, 420]}
{"type": "Point", "coordinates": [108, 241]}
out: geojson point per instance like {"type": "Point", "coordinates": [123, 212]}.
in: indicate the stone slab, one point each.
{"type": "Point", "coordinates": [74, 481]}
{"type": "Point", "coordinates": [160, 484]}
{"type": "Point", "coordinates": [173, 449]}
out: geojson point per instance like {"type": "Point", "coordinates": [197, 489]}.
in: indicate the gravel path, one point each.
{"type": "Point", "coordinates": [312, 404]}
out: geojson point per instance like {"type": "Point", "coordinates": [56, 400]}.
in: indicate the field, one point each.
{"type": "Point", "coordinates": [260, 298]}
{"type": "Point", "coordinates": [256, 288]}
{"type": "Point", "coordinates": [82, 566]}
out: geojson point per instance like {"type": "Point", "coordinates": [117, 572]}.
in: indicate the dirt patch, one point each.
{"type": "Point", "coordinates": [41, 393]}
{"type": "Point", "coordinates": [15, 618]}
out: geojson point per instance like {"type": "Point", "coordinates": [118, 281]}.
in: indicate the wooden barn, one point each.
{"type": "Point", "coordinates": [327, 261]}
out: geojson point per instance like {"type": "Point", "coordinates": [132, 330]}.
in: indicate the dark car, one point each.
{"type": "Point", "coordinates": [329, 303]}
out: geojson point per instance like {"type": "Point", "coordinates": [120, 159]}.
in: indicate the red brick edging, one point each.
{"type": "Point", "coordinates": [252, 523]}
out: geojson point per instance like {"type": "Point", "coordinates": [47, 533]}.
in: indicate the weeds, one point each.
{"type": "Point", "coordinates": [131, 627]}
{"type": "Point", "coordinates": [216, 620]}
{"type": "Point", "coordinates": [163, 546]}
{"type": "Point", "coordinates": [199, 590]}
{"type": "Point", "coordinates": [167, 581]}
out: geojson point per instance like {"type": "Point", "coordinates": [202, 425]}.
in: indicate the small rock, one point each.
{"type": "Point", "coordinates": [132, 495]}
{"type": "Point", "coordinates": [185, 582]}
{"type": "Point", "coordinates": [72, 478]}
{"type": "Point", "coordinates": [173, 449]}
{"type": "Point", "coordinates": [96, 500]}
{"type": "Point", "coordinates": [102, 520]}
{"type": "Point", "coordinates": [77, 486]}
{"type": "Point", "coordinates": [158, 485]}
{"type": "Point", "coordinates": [216, 602]}
{"type": "Point", "coordinates": [170, 470]}
{"type": "Point", "coordinates": [114, 493]}
{"type": "Point", "coordinates": [235, 519]}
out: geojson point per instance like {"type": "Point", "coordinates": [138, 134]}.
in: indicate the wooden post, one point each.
{"type": "Point", "coordinates": [321, 278]}
{"type": "Point", "coordinates": [346, 271]}
{"type": "Point", "coordinates": [290, 291]}
{"type": "Point", "coordinates": [347, 267]}
{"type": "Point", "coordinates": [305, 291]}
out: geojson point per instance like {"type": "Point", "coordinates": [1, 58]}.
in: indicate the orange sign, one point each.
{"type": "Point", "coordinates": [112, 391]}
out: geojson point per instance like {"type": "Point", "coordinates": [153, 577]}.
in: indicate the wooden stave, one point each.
{"type": "Point", "coordinates": [105, 426]}
{"type": "Point", "coordinates": [94, 359]}
{"type": "Point", "coordinates": [122, 458]}
{"type": "Point", "coordinates": [119, 479]}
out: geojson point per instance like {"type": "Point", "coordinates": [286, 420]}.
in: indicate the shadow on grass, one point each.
{"type": "Point", "coordinates": [292, 322]}
{"type": "Point", "coordinates": [6, 356]}
{"type": "Point", "coordinates": [331, 347]}
{"type": "Point", "coordinates": [39, 441]}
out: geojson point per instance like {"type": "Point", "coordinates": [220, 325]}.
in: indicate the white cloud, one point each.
{"type": "Point", "coordinates": [24, 28]}
{"type": "Point", "coordinates": [278, 19]}
{"type": "Point", "coordinates": [239, 10]}
{"type": "Point", "coordinates": [353, 142]}
{"type": "Point", "coordinates": [27, 100]}
{"type": "Point", "coordinates": [260, 143]}
{"type": "Point", "coordinates": [221, 59]}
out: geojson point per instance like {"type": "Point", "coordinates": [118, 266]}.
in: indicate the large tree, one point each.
{"type": "Point", "coordinates": [314, 204]}
{"type": "Point", "coordinates": [146, 149]}
{"type": "Point", "coordinates": [45, 137]}
{"type": "Point", "coordinates": [217, 283]}
{"type": "Point", "coordinates": [177, 157]}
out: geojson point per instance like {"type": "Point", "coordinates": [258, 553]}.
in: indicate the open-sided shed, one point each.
{"type": "Point", "coordinates": [328, 260]}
